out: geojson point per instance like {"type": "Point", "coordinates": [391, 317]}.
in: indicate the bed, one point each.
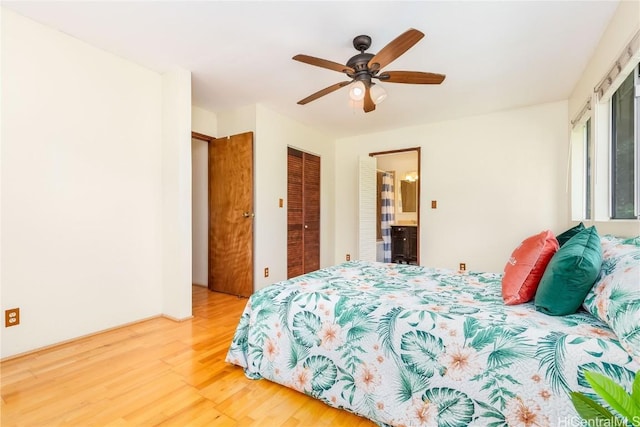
{"type": "Point", "coordinates": [408, 345]}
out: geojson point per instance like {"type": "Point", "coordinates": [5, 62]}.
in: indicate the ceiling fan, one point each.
{"type": "Point", "coordinates": [364, 67]}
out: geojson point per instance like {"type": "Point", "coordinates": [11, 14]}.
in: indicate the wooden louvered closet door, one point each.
{"type": "Point", "coordinates": [303, 212]}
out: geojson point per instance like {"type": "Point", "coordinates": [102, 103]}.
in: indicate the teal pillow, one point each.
{"type": "Point", "coordinates": [570, 274]}
{"type": "Point", "coordinates": [564, 237]}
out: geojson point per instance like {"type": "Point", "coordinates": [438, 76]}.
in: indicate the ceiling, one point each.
{"type": "Point", "coordinates": [496, 55]}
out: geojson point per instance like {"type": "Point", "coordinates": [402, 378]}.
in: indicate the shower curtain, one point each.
{"type": "Point", "coordinates": [387, 216]}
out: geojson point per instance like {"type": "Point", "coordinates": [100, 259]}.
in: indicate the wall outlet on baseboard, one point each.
{"type": "Point", "coordinates": [463, 266]}
{"type": "Point", "coordinates": [348, 257]}
{"type": "Point", "coordinates": [266, 272]}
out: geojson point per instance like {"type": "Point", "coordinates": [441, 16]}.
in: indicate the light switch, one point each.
{"type": "Point", "coordinates": [434, 204]}
{"type": "Point", "coordinates": [281, 202]}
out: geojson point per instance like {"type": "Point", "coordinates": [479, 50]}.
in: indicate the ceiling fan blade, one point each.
{"type": "Point", "coordinates": [318, 62]}
{"type": "Point", "coordinates": [369, 105]}
{"type": "Point", "coordinates": [395, 48]}
{"type": "Point", "coordinates": [413, 77]}
{"type": "Point", "coordinates": [323, 92]}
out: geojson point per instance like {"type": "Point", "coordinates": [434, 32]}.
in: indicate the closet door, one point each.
{"type": "Point", "coordinates": [311, 209]}
{"type": "Point", "coordinates": [303, 213]}
{"type": "Point", "coordinates": [295, 265]}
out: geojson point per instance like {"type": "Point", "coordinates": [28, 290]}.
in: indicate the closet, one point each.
{"type": "Point", "coordinates": [303, 212]}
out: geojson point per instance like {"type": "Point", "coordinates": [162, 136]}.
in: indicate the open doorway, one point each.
{"type": "Point", "coordinates": [398, 206]}
{"type": "Point", "coordinates": [200, 208]}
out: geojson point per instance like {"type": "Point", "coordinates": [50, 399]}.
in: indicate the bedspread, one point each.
{"type": "Point", "coordinates": [412, 346]}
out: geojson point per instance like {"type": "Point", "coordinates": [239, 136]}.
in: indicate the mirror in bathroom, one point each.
{"type": "Point", "coordinates": [409, 195]}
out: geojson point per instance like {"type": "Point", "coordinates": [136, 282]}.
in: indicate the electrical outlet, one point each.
{"type": "Point", "coordinates": [434, 204]}
{"type": "Point", "coordinates": [348, 257]}
{"type": "Point", "coordinates": [12, 317]}
{"type": "Point", "coordinates": [463, 266]}
{"type": "Point", "coordinates": [266, 272]}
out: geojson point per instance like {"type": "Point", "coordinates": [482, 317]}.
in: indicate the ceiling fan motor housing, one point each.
{"type": "Point", "coordinates": [362, 42]}
{"type": "Point", "coordinates": [360, 63]}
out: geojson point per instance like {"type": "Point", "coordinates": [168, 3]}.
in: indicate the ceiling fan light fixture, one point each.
{"type": "Point", "coordinates": [356, 92]}
{"type": "Point", "coordinates": [356, 105]}
{"type": "Point", "coordinates": [378, 94]}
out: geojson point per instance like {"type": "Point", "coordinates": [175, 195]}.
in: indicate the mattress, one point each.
{"type": "Point", "coordinates": [408, 345]}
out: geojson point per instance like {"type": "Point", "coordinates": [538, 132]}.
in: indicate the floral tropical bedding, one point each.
{"type": "Point", "coordinates": [412, 346]}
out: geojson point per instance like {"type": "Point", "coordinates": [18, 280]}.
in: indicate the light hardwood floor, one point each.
{"type": "Point", "coordinates": [157, 372]}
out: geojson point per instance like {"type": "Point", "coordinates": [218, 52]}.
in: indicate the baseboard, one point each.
{"type": "Point", "coordinates": [175, 319]}
{"type": "Point", "coordinates": [102, 331]}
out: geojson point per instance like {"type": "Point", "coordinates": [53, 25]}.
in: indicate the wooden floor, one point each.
{"type": "Point", "coordinates": [157, 372]}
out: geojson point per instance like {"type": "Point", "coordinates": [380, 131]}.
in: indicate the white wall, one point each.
{"type": "Point", "coordinates": [83, 182]}
{"type": "Point", "coordinates": [176, 193]}
{"type": "Point", "coordinates": [240, 120]}
{"type": "Point", "coordinates": [81, 187]}
{"type": "Point", "coordinates": [274, 133]}
{"type": "Point", "coordinates": [205, 122]}
{"type": "Point", "coordinates": [498, 178]}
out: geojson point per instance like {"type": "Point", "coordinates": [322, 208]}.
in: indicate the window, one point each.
{"type": "Point", "coordinates": [624, 149]}
{"type": "Point", "coordinates": [582, 158]}
{"type": "Point", "coordinates": [587, 169]}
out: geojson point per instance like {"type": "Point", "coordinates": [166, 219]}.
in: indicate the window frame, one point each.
{"type": "Point", "coordinates": [588, 170]}
{"type": "Point", "coordinates": [636, 150]}
{"type": "Point", "coordinates": [578, 163]}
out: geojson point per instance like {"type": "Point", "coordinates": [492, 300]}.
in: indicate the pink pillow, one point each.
{"type": "Point", "coordinates": [526, 266]}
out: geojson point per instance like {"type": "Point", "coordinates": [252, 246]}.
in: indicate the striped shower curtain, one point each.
{"type": "Point", "coordinates": [388, 216]}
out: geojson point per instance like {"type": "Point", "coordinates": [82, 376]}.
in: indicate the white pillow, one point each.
{"type": "Point", "coordinates": [615, 297]}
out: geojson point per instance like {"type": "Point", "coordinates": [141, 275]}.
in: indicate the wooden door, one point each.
{"type": "Point", "coordinates": [295, 221]}
{"type": "Point", "coordinates": [303, 213]}
{"type": "Point", "coordinates": [311, 210]}
{"type": "Point", "coordinates": [231, 214]}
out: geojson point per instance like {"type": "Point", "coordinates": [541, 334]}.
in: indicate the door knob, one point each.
{"type": "Point", "coordinates": [306, 226]}
{"type": "Point", "coordinates": [248, 215]}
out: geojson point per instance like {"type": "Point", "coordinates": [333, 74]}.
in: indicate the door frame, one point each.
{"type": "Point", "coordinates": [207, 139]}
{"type": "Point", "coordinates": [418, 151]}
{"type": "Point", "coordinates": [201, 136]}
